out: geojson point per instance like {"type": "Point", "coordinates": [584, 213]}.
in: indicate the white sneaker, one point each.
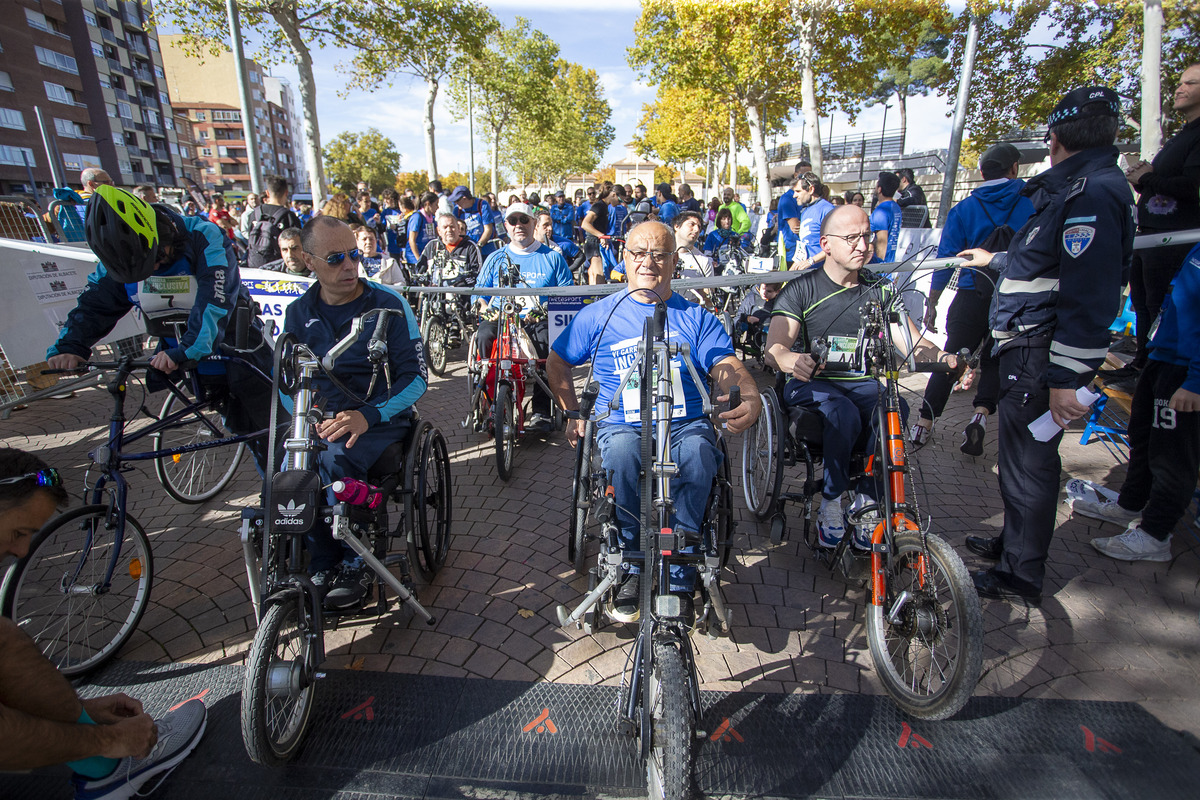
{"type": "Point", "coordinates": [866, 525]}
{"type": "Point", "coordinates": [831, 523]}
{"type": "Point", "coordinates": [179, 732]}
{"type": "Point", "coordinates": [1134, 545]}
{"type": "Point", "coordinates": [1105, 511]}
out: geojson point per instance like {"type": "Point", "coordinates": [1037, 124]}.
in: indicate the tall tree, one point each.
{"type": "Point", "coordinates": [436, 37]}
{"type": "Point", "coordinates": [917, 56]}
{"type": "Point", "coordinates": [509, 81]}
{"type": "Point", "coordinates": [574, 136]}
{"type": "Point", "coordinates": [370, 157]}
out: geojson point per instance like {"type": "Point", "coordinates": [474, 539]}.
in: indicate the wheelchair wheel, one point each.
{"type": "Point", "coordinates": [582, 494]}
{"type": "Point", "coordinates": [199, 475]}
{"type": "Point", "coordinates": [430, 511]}
{"type": "Point", "coordinates": [276, 705]}
{"type": "Point", "coordinates": [762, 457]}
{"type": "Point", "coordinates": [669, 763]}
{"type": "Point", "coordinates": [504, 430]}
{"type": "Point", "coordinates": [437, 344]}
{"type": "Point", "coordinates": [63, 595]}
{"type": "Point", "coordinates": [929, 659]}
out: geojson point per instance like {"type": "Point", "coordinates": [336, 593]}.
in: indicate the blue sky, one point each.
{"type": "Point", "coordinates": [594, 34]}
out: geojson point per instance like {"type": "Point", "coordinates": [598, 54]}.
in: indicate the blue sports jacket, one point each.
{"type": "Point", "coordinates": [967, 224]}
{"type": "Point", "coordinates": [1177, 338]}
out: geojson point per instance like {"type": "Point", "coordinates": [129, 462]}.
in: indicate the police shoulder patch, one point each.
{"type": "Point", "coordinates": [1077, 238]}
{"type": "Point", "coordinates": [1076, 188]}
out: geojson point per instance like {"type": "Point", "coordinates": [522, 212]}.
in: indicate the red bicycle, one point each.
{"type": "Point", "coordinates": [498, 383]}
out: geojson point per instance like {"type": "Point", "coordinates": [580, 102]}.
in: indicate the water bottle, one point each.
{"type": "Point", "coordinates": [357, 493]}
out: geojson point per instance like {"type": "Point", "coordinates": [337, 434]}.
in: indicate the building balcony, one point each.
{"type": "Point", "coordinates": [109, 36]}
{"type": "Point", "coordinates": [144, 76]}
{"type": "Point", "coordinates": [159, 154]}
{"type": "Point", "coordinates": [154, 129]}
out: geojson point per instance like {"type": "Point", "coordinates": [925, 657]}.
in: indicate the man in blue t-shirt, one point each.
{"type": "Point", "coordinates": [813, 210]}
{"type": "Point", "coordinates": [536, 266]}
{"type": "Point", "coordinates": [667, 207]}
{"type": "Point", "coordinates": [421, 228]}
{"type": "Point", "coordinates": [608, 332]}
{"type": "Point", "coordinates": [562, 214]}
{"type": "Point", "coordinates": [478, 216]}
{"type": "Point", "coordinates": [886, 217]}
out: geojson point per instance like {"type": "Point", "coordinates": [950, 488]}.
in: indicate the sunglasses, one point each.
{"type": "Point", "coordinates": [333, 259]}
{"type": "Point", "coordinates": [48, 478]}
{"type": "Point", "coordinates": [519, 219]}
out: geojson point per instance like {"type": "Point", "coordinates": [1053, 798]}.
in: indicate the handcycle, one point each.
{"type": "Point", "coordinates": [285, 657]}
{"type": "Point", "coordinates": [924, 624]}
{"type": "Point", "coordinates": [498, 383]}
{"type": "Point", "coordinates": [440, 320]}
{"type": "Point", "coordinates": [659, 703]}
{"type": "Point", "coordinates": [85, 583]}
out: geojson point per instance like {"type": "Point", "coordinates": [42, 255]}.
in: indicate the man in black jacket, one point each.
{"type": "Point", "coordinates": [1060, 290]}
{"type": "Point", "coordinates": [1168, 200]}
{"type": "Point", "coordinates": [269, 218]}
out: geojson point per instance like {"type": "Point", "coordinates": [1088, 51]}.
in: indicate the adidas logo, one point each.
{"type": "Point", "coordinates": [291, 509]}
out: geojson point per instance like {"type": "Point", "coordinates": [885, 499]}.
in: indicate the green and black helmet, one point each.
{"type": "Point", "coordinates": [122, 231]}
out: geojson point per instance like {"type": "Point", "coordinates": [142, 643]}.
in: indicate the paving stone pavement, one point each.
{"type": "Point", "coordinates": [1106, 630]}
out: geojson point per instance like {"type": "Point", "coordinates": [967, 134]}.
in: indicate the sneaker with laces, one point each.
{"type": "Point", "coordinates": [831, 523]}
{"type": "Point", "coordinates": [1105, 511]}
{"type": "Point", "coordinates": [865, 526]}
{"type": "Point", "coordinates": [627, 604]}
{"type": "Point", "coordinates": [322, 580]}
{"type": "Point", "coordinates": [1134, 545]}
{"type": "Point", "coordinates": [351, 587]}
{"type": "Point", "coordinates": [179, 732]}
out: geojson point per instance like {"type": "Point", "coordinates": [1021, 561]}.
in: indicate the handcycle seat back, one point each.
{"type": "Point", "coordinates": [391, 460]}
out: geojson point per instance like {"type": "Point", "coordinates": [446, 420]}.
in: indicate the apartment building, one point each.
{"type": "Point", "coordinates": [95, 72]}
{"type": "Point", "coordinates": [206, 92]}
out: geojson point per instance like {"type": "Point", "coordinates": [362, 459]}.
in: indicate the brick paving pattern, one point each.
{"type": "Point", "coordinates": [1106, 630]}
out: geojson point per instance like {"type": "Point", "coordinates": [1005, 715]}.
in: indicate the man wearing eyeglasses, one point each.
{"type": "Point", "coordinates": [607, 333]}
{"type": "Point", "coordinates": [362, 425]}
{"type": "Point", "coordinates": [825, 304]}
{"type": "Point", "coordinates": [537, 266]}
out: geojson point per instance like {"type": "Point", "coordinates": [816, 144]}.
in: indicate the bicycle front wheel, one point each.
{"type": "Point", "coordinates": [505, 431]}
{"type": "Point", "coordinates": [277, 700]}
{"type": "Point", "coordinates": [436, 345]}
{"type": "Point", "coordinates": [669, 765]}
{"type": "Point", "coordinates": [926, 637]}
{"type": "Point", "coordinates": [82, 589]}
{"type": "Point", "coordinates": [198, 475]}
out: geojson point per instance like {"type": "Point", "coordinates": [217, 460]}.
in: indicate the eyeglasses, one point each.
{"type": "Point", "coordinates": [1046, 138]}
{"type": "Point", "coordinates": [333, 259]}
{"type": "Point", "coordinates": [519, 219]}
{"type": "Point", "coordinates": [640, 255]}
{"type": "Point", "coordinates": [48, 478]}
{"type": "Point", "coordinates": [852, 239]}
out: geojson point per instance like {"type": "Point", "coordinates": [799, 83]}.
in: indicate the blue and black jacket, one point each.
{"type": "Point", "coordinates": [1061, 278]}
{"type": "Point", "coordinates": [204, 260]}
{"type": "Point", "coordinates": [993, 203]}
{"type": "Point", "coordinates": [1177, 337]}
{"type": "Point", "coordinates": [320, 326]}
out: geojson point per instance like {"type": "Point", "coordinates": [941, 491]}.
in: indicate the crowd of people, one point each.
{"type": "Point", "coordinates": [1045, 263]}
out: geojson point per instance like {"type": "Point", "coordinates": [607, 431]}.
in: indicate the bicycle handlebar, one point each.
{"type": "Point", "coordinates": [378, 338]}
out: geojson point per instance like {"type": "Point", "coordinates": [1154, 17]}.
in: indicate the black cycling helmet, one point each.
{"type": "Point", "coordinates": [122, 231]}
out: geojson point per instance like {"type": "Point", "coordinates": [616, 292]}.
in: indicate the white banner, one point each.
{"type": "Point", "coordinates": [274, 292]}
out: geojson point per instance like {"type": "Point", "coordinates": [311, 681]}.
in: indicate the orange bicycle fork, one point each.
{"type": "Point", "coordinates": [896, 467]}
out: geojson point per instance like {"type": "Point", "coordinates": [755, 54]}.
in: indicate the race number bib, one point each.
{"type": "Point", "coordinates": [631, 398]}
{"type": "Point", "coordinates": [843, 350]}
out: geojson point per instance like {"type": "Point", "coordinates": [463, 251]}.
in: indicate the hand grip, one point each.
{"type": "Point", "coordinates": [241, 321]}
{"type": "Point", "coordinates": [820, 352]}
{"type": "Point", "coordinates": [589, 399]}
{"type": "Point", "coordinates": [735, 397]}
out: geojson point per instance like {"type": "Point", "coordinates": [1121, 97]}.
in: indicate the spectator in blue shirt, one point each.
{"type": "Point", "coordinates": [421, 228]}
{"type": "Point", "coordinates": [667, 205]}
{"type": "Point", "coordinates": [478, 216]}
{"type": "Point", "coordinates": [885, 218]}
{"type": "Point", "coordinates": [562, 214]}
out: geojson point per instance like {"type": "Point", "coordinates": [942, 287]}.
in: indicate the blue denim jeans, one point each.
{"type": "Point", "coordinates": [694, 450]}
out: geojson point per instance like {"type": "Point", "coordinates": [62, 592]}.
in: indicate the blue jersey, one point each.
{"type": "Point", "coordinates": [887, 217]}
{"type": "Point", "coordinates": [581, 210]}
{"type": "Point", "coordinates": [667, 212]}
{"type": "Point", "coordinates": [788, 209]}
{"type": "Point", "coordinates": [542, 267]}
{"type": "Point", "coordinates": [609, 331]}
{"type": "Point", "coordinates": [993, 203]}
{"type": "Point", "coordinates": [426, 231]}
{"type": "Point", "coordinates": [616, 219]}
{"type": "Point", "coordinates": [393, 222]}
{"type": "Point", "coordinates": [476, 218]}
{"type": "Point", "coordinates": [563, 217]}
{"type": "Point", "coordinates": [811, 217]}
{"type": "Point", "coordinates": [1178, 331]}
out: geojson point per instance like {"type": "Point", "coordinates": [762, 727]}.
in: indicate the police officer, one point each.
{"type": "Point", "coordinates": [1059, 291]}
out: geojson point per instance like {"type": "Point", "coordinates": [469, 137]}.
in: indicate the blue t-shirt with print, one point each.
{"type": "Point", "coordinates": [811, 217]}
{"type": "Point", "coordinates": [542, 267]}
{"type": "Point", "coordinates": [608, 332]}
{"type": "Point", "coordinates": [476, 218]}
{"type": "Point", "coordinates": [426, 230]}
{"type": "Point", "coordinates": [667, 212]}
{"type": "Point", "coordinates": [788, 209]}
{"type": "Point", "coordinates": [886, 217]}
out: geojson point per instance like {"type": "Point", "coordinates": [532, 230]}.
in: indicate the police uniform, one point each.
{"type": "Point", "coordinates": [1060, 289]}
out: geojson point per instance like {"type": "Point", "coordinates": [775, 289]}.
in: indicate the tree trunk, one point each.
{"type": "Point", "coordinates": [1151, 121]}
{"type": "Point", "coordinates": [308, 101]}
{"type": "Point", "coordinates": [732, 152]}
{"type": "Point", "coordinates": [806, 27]}
{"type": "Point", "coordinates": [758, 146]}
{"type": "Point", "coordinates": [496, 164]}
{"type": "Point", "coordinates": [902, 103]}
{"type": "Point", "coordinates": [431, 90]}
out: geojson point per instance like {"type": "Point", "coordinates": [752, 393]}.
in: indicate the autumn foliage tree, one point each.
{"type": "Point", "coordinates": [370, 156]}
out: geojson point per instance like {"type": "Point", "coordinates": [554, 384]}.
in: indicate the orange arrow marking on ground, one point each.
{"type": "Point", "coordinates": [190, 699]}
{"type": "Point", "coordinates": [362, 710]}
{"type": "Point", "coordinates": [910, 738]}
{"type": "Point", "coordinates": [1091, 742]}
{"type": "Point", "coordinates": [542, 723]}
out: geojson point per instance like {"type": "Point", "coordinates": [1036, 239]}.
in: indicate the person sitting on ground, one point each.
{"type": "Point", "coordinates": [146, 253]}
{"type": "Point", "coordinates": [110, 743]}
{"type": "Point", "coordinates": [608, 333]}
{"type": "Point", "coordinates": [291, 255]}
{"type": "Point", "coordinates": [358, 432]}
{"type": "Point", "coordinates": [1164, 432]}
{"type": "Point", "coordinates": [825, 303]}
{"type": "Point", "coordinates": [537, 266]}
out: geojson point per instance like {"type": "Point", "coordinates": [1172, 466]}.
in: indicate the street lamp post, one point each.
{"type": "Point", "coordinates": [886, 106]}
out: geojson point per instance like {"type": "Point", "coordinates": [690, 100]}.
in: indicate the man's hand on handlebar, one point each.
{"type": "Point", "coordinates": [742, 416]}
{"type": "Point", "coordinates": [163, 363]}
{"type": "Point", "coordinates": [806, 367]}
{"type": "Point", "coordinates": [65, 361]}
{"type": "Point", "coordinates": [574, 430]}
{"type": "Point", "coordinates": [351, 422]}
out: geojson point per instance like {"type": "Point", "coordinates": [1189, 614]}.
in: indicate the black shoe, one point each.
{"type": "Point", "coordinates": [1127, 371]}
{"type": "Point", "coordinates": [985, 546]}
{"type": "Point", "coordinates": [626, 605]}
{"type": "Point", "coordinates": [973, 439]}
{"type": "Point", "coordinates": [1126, 385]}
{"type": "Point", "coordinates": [349, 588]}
{"type": "Point", "coordinates": [1128, 345]}
{"type": "Point", "coordinates": [992, 584]}
{"type": "Point", "coordinates": [323, 580]}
